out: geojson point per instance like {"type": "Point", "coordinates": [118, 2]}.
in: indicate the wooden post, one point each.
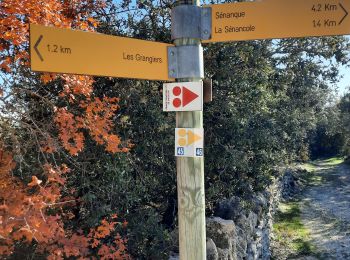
{"type": "Point", "coordinates": [190, 180]}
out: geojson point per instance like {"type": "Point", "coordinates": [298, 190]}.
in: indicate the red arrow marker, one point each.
{"type": "Point", "coordinates": [187, 96]}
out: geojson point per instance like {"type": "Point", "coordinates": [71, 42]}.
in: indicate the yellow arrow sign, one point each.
{"type": "Point", "coordinates": [68, 51]}
{"type": "Point", "coordinates": [192, 137]}
{"type": "Point", "coordinates": [268, 19]}
{"type": "Point", "coordinates": [187, 137]}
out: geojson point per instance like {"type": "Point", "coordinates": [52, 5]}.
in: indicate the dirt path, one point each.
{"type": "Point", "coordinates": [325, 210]}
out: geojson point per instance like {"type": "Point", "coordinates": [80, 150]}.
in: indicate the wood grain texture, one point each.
{"type": "Point", "coordinates": [190, 183]}
{"type": "Point", "coordinates": [191, 204]}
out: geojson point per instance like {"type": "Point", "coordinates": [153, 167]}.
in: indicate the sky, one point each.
{"type": "Point", "coordinates": [344, 83]}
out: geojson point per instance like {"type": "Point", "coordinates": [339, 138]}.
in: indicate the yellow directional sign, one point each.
{"type": "Point", "coordinates": [269, 19]}
{"type": "Point", "coordinates": [69, 51]}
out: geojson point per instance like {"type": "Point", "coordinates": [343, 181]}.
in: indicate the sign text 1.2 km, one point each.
{"type": "Point", "coordinates": [268, 19]}
{"type": "Point", "coordinates": [77, 52]}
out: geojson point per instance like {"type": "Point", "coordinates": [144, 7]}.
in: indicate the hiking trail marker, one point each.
{"type": "Point", "coordinates": [183, 96]}
{"type": "Point", "coordinates": [269, 19]}
{"type": "Point", "coordinates": [77, 52]}
{"type": "Point", "coordinates": [189, 142]}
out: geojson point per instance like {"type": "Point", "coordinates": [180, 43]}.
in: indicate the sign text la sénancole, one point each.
{"type": "Point", "coordinates": [268, 19]}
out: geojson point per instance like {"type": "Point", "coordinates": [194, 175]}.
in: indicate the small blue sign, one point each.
{"type": "Point", "coordinates": [180, 151]}
{"type": "Point", "coordinates": [199, 151]}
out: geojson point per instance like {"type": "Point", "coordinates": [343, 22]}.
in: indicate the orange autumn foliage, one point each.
{"type": "Point", "coordinates": [23, 207]}
{"type": "Point", "coordinates": [15, 19]}
{"type": "Point", "coordinates": [116, 249]}
{"type": "Point", "coordinates": [24, 217]}
{"type": "Point", "coordinates": [17, 15]}
{"type": "Point", "coordinates": [33, 211]}
{"type": "Point", "coordinates": [97, 118]}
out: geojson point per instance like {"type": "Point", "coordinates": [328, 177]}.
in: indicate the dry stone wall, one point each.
{"type": "Point", "coordinates": [241, 229]}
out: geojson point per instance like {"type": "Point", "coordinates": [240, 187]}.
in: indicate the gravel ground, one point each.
{"type": "Point", "coordinates": [326, 211]}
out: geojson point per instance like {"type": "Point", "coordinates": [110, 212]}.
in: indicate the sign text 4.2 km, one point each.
{"type": "Point", "coordinates": [77, 52]}
{"type": "Point", "coordinates": [269, 19]}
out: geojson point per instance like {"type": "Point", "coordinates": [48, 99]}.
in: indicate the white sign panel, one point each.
{"type": "Point", "coordinates": [183, 96]}
{"type": "Point", "coordinates": [189, 142]}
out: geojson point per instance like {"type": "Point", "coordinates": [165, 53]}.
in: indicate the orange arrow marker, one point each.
{"type": "Point", "coordinates": [192, 137]}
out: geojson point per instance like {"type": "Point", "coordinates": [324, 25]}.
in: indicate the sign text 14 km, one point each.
{"type": "Point", "coordinates": [268, 19]}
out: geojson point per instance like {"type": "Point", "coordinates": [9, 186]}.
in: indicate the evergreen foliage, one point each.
{"type": "Point", "coordinates": [270, 99]}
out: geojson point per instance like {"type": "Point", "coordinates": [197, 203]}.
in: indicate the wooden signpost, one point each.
{"type": "Point", "coordinates": [70, 51]}
{"type": "Point", "coordinates": [268, 19]}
